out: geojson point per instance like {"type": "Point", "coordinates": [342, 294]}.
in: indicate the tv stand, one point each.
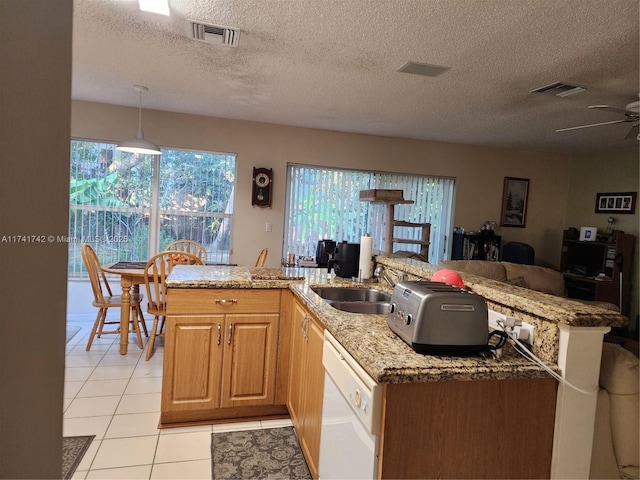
{"type": "Point", "coordinates": [591, 272]}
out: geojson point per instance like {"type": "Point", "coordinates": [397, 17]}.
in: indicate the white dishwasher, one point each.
{"type": "Point", "coordinates": [350, 416]}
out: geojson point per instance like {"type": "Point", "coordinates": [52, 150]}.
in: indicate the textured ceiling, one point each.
{"type": "Point", "coordinates": [332, 64]}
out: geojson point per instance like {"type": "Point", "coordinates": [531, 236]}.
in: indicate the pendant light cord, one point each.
{"type": "Point", "coordinates": [140, 112]}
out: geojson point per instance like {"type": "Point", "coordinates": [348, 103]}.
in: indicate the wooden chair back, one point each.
{"type": "Point", "coordinates": [189, 246]}
{"type": "Point", "coordinates": [262, 257]}
{"type": "Point", "coordinates": [158, 268]}
{"type": "Point", "coordinates": [97, 276]}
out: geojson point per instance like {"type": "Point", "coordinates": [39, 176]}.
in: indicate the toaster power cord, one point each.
{"type": "Point", "coordinates": [529, 355]}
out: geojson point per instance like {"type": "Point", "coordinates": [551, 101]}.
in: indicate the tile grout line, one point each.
{"type": "Point", "coordinates": [100, 441]}
{"type": "Point", "coordinates": [136, 364]}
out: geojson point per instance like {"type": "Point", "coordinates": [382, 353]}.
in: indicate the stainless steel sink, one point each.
{"type": "Point", "coordinates": [356, 300]}
{"type": "Point", "coordinates": [352, 294]}
{"type": "Point", "coordinates": [371, 308]}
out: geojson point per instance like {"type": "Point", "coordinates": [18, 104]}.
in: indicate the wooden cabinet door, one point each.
{"type": "Point", "coordinates": [312, 397]}
{"type": "Point", "coordinates": [192, 363]}
{"type": "Point", "coordinates": [306, 383]}
{"type": "Point", "coordinates": [249, 364]}
{"type": "Point", "coordinates": [297, 365]}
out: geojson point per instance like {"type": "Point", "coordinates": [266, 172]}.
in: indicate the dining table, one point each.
{"type": "Point", "coordinates": [132, 275]}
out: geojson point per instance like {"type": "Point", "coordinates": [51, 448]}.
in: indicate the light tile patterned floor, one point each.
{"type": "Point", "coordinates": [117, 398]}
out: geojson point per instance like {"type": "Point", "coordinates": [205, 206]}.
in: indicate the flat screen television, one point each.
{"type": "Point", "coordinates": [586, 258]}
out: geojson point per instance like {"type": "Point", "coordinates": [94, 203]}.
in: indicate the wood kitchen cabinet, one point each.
{"type": "Point", "coordinates": [306, 383]}
{"type": "Point", "coordinates": [220, 354]}
{"type": "Point", "coordinates": [249, 360]}
{"type": "Point", "coordinates": [476, 429]}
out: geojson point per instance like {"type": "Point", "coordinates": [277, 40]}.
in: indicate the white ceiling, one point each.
{"type": "Point", "coordinates": [332, 64]}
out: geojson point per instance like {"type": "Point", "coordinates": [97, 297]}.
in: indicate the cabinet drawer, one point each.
{"type": "Point", "coordinates": [221, 300]}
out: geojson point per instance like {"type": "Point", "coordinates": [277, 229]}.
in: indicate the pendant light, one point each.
{"type": "Point", "coordinates": [139, 144]}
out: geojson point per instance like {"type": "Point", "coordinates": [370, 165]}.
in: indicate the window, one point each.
{"type": "Point", "coordinates": [324, 203]}
{"type": "Point", "coordinates": [130, 206]}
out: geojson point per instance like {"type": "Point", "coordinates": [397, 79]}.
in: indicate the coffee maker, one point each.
{"type": "Point", "coordinates": [324, 253]}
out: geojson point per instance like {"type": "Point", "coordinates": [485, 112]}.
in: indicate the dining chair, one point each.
{"type": "Point", "coordinates": [262, 257]}
{"type": "Point", "coordinates": [189, 246]}
{"type": "Point", "coordinates": [104, 300]}
{"type": "Point", "coordinates": [157, 269]}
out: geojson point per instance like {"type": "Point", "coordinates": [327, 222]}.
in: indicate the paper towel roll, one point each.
{"type": "Point", "coordinates": [366, 252]}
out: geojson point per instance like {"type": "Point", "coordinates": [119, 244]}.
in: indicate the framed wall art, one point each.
{"type": "Point", "coordinates": [514, 202]}
{"type": "Point", "coordinates": [624, 202]}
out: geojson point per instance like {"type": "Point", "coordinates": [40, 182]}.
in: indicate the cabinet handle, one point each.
{"type": "Point", "coordinates": [224, 301]}
{"type": "Point", "coordinates": [219, 333]}
{"type": "Point", "coordinates": [230, 333]}
{"type": "Point", "coordinates": [305, 328]}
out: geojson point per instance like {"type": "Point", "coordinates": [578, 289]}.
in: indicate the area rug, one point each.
{"type": "Point", "coordinates": [71, 331]}
{"type": "Point", "coordinates": [73, 449]}
{"type": "Point", "coordinates": [273, 453]}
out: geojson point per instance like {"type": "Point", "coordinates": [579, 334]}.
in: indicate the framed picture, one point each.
{"type": "Point", "coordinates": [624, 202]}
{"type": "Point", "coordinates": [514, 202]}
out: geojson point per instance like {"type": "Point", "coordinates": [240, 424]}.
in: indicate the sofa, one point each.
{"type": "Point", "coordinates": [534, 277]}
{"type": "Point", "coordinates": [615, 440]}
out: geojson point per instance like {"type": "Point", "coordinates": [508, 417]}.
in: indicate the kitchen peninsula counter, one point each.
{"type": "Point", "coordinates": [548, 313]}
{"type": "Point", "coordinates": [366, 337]}
{"type": "Point", "coordinates": [568, 338]}
{"type": "Point", "coordinates": [518, 299]}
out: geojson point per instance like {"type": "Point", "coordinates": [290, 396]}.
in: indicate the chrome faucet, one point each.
{"type": "Point", "coordinates": [381, 272]}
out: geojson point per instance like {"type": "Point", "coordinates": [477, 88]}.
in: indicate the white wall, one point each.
{"type": "Point", "coordinates": [479, 171]}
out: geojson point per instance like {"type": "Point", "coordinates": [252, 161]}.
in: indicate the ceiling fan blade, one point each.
{"type": "Point", "coordinates": [592, 125]}
{"type": "Point", "coordinates": [632, 134]}
{"type": "Point", "coordinates": [613, 109]}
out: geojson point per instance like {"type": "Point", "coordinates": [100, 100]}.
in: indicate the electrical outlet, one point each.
{"type": "Point", "coordinates": [525, 332]}
{"type": "Point", "coordinates": [268, 227]}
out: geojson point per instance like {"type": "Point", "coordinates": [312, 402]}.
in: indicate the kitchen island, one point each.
{"type": "Point", "coordinates": [442, 416]}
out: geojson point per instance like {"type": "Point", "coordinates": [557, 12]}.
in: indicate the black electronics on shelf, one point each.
{"type": "Point", "coordinates": [474, 246]}
{"type": "Point", "coordinates": [599, 271]}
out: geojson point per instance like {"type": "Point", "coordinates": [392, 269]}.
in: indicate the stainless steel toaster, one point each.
{"type": "Point", "coordinates": [440, 319]}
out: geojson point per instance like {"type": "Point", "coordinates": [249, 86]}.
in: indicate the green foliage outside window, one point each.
{"type": "Point", "coordinates": [111, 202]}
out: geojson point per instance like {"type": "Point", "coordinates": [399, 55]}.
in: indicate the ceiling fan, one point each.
{"type": "Point", "coordinates": [631, 115]}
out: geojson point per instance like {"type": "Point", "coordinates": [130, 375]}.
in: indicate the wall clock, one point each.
{"type": "Point", "coordinates": [262, 185]}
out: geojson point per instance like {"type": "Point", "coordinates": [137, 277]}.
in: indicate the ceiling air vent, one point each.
{"type": "Point", "coordinates": [559, 89]}
{"type": "Point", "coordinates": [424, 69]}
{"type": "Point", "coordinates": [214, 34]}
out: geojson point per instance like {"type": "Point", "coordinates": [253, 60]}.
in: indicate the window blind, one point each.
{"type": "Point", "coordinates": [324, 203]}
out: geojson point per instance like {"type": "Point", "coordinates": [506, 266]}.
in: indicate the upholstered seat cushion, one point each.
{"type": "Point", "coordinates": [492, 270]}
{"type": "Point", "coordinates": [537, 278]}
{"type": "Point", "coordinates": [617, 415]}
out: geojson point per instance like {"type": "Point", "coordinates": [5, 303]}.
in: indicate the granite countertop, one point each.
{"type": "Point", "coordinates": [216, 276]}
{"type": "Point", "coordinates": [366, 337]}
{"type": "Point", "coordinates": [388, 359]}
